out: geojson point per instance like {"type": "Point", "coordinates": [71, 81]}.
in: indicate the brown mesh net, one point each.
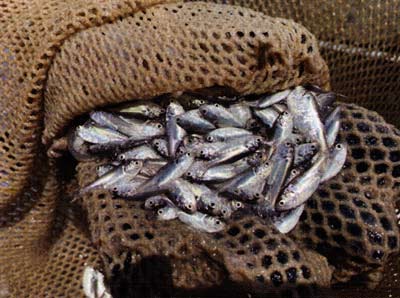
{"type": "Point", "coordinates": [60, 60]}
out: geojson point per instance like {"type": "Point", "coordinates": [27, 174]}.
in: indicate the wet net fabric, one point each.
{"type": "Point", "coordinates": [62, 59]}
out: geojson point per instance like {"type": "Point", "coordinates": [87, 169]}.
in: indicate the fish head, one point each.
{"type": "Point", "coordinates": [166, 213]}
{"type": "Point", "coordinates": [156, 128]}
{"type": "Point", "coordinates": [133, 166]}
{"type": "Point", "coordinates": [150, 203]}
{"type": "Point", "coordinates": [285, 200]}
{"type": "Point", "coordinates": [213, 224]}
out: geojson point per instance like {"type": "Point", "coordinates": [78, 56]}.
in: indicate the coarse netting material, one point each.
{"type": "Point", "coordinates": [60, 59]}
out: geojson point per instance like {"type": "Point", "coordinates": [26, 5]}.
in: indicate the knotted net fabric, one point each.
{"type": "Point", "coordinates": [60, 60]}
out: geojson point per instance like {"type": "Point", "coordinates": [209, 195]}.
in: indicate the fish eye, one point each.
{"type": "Point", "coordinates": [257, 195]}
{"type": "Point", "coordinates": [160, 212]}
{"type": "Point", "coordinates": [239, 204]}
{"type": "Point", "coordinates": [217, 222]}
{"type": "Point", "coordinates": [159, 125]}
{"type": "Point", "coordinates": [189, 174]}
{"type": "Point", "coordinates": [136, 162]}
{"type": "Point", "coordinates": [188, 154]}
{"type": "Point", "coordinates": [151, 203]}
{"type": "Point", "coordinates": [216, 105]}
{"type": "Point", "coordinates": [236, 191]}
{"type": "Point", "coordinates": [312, 146]}
{"type": "Point", "coordinates": [287, 144]}
{"type": "Point", "coordinates": [281, 203]}
{"type": "Point", "coordinates": [212, 205]}
{"type": "Point", "coordinates": [121, 157]}
{"type": "Point", "coordinates": [178, 119]}
{"type": "Point", "coordinates": [157, 143]}
{"type": "Point", "coordinates": [196, 197]}
{"type": "Point", "coordinates": [259, 140]}
{"type": "Point", "coordinates": [294, 171]}
{"type": "Point", "coordinates": [285, 113]}
{"type": "Point", "coordinates": [209, 138]}
{"type": "Point", "coordinates": [115, 188]}
{"type": "Point", "coordinates": [189, 206]}
{"type": "Point", "coordinates": [339, 146]}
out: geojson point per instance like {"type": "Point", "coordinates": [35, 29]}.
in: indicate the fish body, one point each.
{"type": "Point", "coordinates": [134, 129]}
{"type": "Point", "coordinates": [114, 176]}
{"type": "Point", "coordinates": [78, 147]}
{"type": "Point", "coordinates": [268, 116]}
{"type": "Point", "coordinates": [152, 166]}
{"type": "Point", "coordinates": [225, 171]}
{"type": "Point", "coordinates": [201, 222]}
{"type": "Point", "coordinates": [175, 133]}
{"type": "Point", "coordinates": [103, 169]}
{"type": "Point", "coordinates": [337, 158]}
{"type": "Point", "coordinates": [140, 152]}
{"type": "Point", "coordinates": [286, 221]}
{"type": "Point", "coordinates": [141, 109]}
{"type": "Point", "coordinates": [301, 188]}
{"type": "Point", "coordinates": [167, 174]}
{"type": "Point", "coordinates": [99, 135]}
{"type": "Point", "coordinates": [249, 185]}
{"type": "Point", "coordinates": [332, 126]}
{"type": "Point", "coordinates": [281, 161]}
{"type": "Point", "coordinates": [270, 100]}
{"type": "Point", "coordinates": [226, 133]}
{"type": "Point", "coordinates": [194, 122]}
{"type": "Point", "coordinates": [181, 193]}
{"type": "Point", "coordinates": [242, 113]}
{"type": "Point", "coordinates": [219, 116]}
{"type": "Point", "coordinates": [306, 119]}
{"type": "Point", "coordinates": [283, 128]}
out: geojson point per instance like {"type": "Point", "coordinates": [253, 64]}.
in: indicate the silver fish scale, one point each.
{"type": "Point", "coordinates": [201, 159]}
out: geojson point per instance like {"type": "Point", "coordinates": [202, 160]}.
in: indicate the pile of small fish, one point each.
{"type": "Point", "coordinates": [202, 158]}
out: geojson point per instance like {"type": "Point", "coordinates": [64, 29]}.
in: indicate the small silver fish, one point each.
{"type": "Point", "coordinates": [112, 177]}
{"type": "Point", "coordinates": [167, 213]}
{"type": "Point", "coordinates": [286, 221]}
{"type": "Point", "coordinates": [197, 170]}
{"type": "Point", "coordinates": [181, 193]}
{"type": "Point", "coordinates": [194, 122]}
{"type": "Point", "coordinates": [301, 188]}
{"type": "Point", "coordinates": [242, 112]}
{"type": "Point", "coordinates": [306, 120]}
{"type": "Point", "coordinates": [142, 109]}
{"type": "Point", "coordinates": [226, 133]}
{"type": "Point", "coordinates": [157, 201]}
{"type": "Point", "coordinates": [304, 152]}
{"type": "Point", "coordinates": [281, 161]}
{"type": "Point", "coordinates": [103, 169]}
{"type": "Point", "coordinates": [332, 126]}
{"type": "Point", "coordinates": [151, 167]}
{"type": "Point", "coordinates": [78, 147]}
{"type": "Point", "coordinates": [201, 222]}
{"type": "Point", "coordinates": [99, 135]}
{"type": "Point", "coordinates": [270, 100]}
{"type": "Point", "coordinates": [268, 116]}
{"type": "Point", "coordinates": [219, 116]}
{"type": "Point", "coordinates": [228, 150]}
{"type": "Point", "coordinates": [175, 133]}
{"type": "Point", "coordinates": [170, 172]}
{"type": "Point", "coordinates": [161, 145]}
{"type": "Point", "coordinates": [225, 171]}
{"type": "Point", "coordinates": [337, 158]}
{"type": "Point", "coordinates": [140, 152]}
{"type": "Point", "coordinates": [127, 185]}
{"type": "Point", "coordinates": [283, 128]}
{"type": "Point", "coordinates": [249, 185]}
{"type": "Point", "coordinates": [134, 129]}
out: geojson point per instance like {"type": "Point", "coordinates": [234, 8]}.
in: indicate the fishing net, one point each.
{"type": "Point", "coordinates": [60, 60]}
